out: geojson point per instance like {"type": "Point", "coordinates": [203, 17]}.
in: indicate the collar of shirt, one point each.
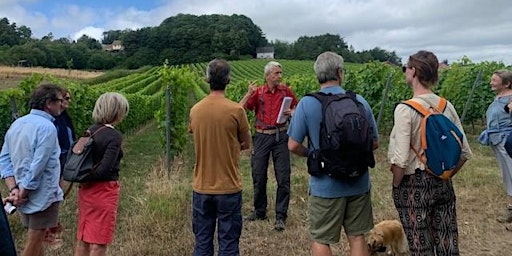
{"type": "Point", "coordinates": [266, 88]}
{"type": "Point", "coordinates": [43, 114]}
{"type": "Point", "coordinates": [335, 89]}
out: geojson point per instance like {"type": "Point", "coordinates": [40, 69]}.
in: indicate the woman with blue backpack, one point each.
{"type": "Point", "coordinates": [424, 198]}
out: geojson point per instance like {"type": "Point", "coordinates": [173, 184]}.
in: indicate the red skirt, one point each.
{"type": "Point", "coordinates": [97, 211]}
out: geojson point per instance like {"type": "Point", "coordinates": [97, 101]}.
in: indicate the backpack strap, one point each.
{"type": "Point", "coordinates": [416, 106]}
{"type": "Point", "coordinates": [424, 113]}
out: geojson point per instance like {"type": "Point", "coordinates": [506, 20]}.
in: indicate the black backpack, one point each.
{"type": "Point", "coordinates": [346, 141]}
{"type": "Point", "coordinates": [79, 163]}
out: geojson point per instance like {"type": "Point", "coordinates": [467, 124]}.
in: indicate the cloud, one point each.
{"type": "Point", "coordinates": [93, 32]}
{"type": "Point", "coordinates": [452, 29]}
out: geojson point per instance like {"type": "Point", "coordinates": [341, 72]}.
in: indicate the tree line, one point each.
{"type": "Point", "coordinates": [180, 39]}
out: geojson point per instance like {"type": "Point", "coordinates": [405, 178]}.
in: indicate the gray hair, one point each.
{"type": "Point", "coordinates": [327, 65]}
{"type": "Point", "coordinates": [506, 77]}
{"type": "Point", "coordinates": [270, 66]}
{"type": "Point", "coordinates": [110, 107]}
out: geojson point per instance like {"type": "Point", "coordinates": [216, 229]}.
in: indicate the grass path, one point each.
{"type": "Point", "coordinates": [155, 208]}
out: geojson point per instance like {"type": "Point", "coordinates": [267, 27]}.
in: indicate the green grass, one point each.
{"type": "Point", "coordinates": [155, 209]}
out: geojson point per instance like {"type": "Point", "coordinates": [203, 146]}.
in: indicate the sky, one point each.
{"type": "Point", "coordinates": [478, 29]}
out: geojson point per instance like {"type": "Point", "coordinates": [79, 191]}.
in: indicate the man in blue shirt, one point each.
{"type": "Point", "coordinates": [29, 163]}
{"type": "Point", "coordinates": [333, 203]}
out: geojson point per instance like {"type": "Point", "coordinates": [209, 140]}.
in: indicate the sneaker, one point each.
{"type": "Point", "coordinates": [505, 218]}
{"type": "Point", "coordinates": [279, 226]}
{"type": "Point", "coordinates": [253, 216]}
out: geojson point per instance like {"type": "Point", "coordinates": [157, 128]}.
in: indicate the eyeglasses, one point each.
{"type": "Point", "coordinates": [404, 68]}
{"type": "Point", "coordinates": [67, 98]}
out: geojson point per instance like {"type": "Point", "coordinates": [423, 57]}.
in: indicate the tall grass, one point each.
{"type": "Point", "coordinates": [155, 208]}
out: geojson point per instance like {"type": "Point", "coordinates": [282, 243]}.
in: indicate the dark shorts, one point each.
{"type": "Point", "coordinates": [328, 215]}
{"type": "Point", "coordinates": [47, 218]}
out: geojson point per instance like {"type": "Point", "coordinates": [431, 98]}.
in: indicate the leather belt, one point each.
{"type": "Point", "coordinates": [271, 131]}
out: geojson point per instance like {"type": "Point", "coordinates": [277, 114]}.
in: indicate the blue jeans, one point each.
{"type": "Point", "coordinates": [209, 209]}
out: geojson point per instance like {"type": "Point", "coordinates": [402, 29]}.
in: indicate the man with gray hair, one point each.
{"type": "Point", "coordinates": [270, 137]}
{"type": "Point", "coordinates": [333, 203]}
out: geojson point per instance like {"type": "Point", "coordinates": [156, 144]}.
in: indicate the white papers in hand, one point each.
{"type": "Point", "coordinates": [281, 118]}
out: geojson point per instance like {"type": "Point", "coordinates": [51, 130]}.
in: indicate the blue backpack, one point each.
{"type": "Point", "coordinates": [441, 140]}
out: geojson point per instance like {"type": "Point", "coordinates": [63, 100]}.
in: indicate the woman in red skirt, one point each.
{"type": "Point", "coordinates": [98, 196]}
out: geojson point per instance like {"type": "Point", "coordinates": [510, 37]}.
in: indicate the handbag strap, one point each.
{"type": "Point", "coordinates": [70, 186]}
{"type": "Point", "coordinates": [95, 132]}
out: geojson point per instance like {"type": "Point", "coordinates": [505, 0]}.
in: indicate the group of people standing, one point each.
{"type": "Point", "coordinates": [35, 148]}
{"type": "Point", "coordinates": [31, 163]}
{"type": "Point", "coordinates": [425, 204]}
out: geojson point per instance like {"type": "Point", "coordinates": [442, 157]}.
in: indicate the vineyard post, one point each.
{"type": "Point", "coordinates": [168, 129]}
{"type": "Point", "coordinates": [384, 97]}
{"type": "Point", "coordinates": [14, 109]}
{"type": "Point", "coordinates": [468, 101]}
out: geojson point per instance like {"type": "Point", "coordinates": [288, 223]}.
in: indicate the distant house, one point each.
{"type": "Point", "coordinates": [265, 52]}
{"type": "Point", "coordinates": [444, 65]}
{"type": "Point", "coordinates": [116, 45]}
{"type": "Point", "coordinates": [24, 63]}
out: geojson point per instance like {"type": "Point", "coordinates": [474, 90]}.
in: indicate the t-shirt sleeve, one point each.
{"type": "Point", "coordinates": [298, 126]}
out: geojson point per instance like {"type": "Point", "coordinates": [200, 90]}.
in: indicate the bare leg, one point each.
{"type": "Point", "coordinates": [82, 248]}
{"type": "Point", "coordinates": [34, 246]}
{"type": "Point", "coordinates": [318, 249]}
{"type": "Point", "coordinates": [98, 250]}
{"type": "Point", "coordinates": [358, 246]}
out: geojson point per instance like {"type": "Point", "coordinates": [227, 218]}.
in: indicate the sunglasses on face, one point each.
{"type": "Point", "coordinates": [404, 68]}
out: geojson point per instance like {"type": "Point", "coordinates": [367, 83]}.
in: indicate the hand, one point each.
{"type": "Point", "coordinates": [19, 196]}
{"type": "Point", "coordinates": [252, 87]}
{"type": "Point", "coordinates": [289, 112]}
{"type": "Point", "coordinates": [509, 105]}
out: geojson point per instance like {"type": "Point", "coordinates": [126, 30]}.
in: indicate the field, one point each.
{"type": "Point", "coordinates": [155, 209]}
{"type": "Point", "coordinates": [11, 76]}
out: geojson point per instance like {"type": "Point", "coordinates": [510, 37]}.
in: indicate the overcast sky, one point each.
{"type": "Point", "coordinates": [480, 30]}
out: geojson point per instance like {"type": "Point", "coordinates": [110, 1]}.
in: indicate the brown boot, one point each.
{"type": "Point", "coordinates": [506, 217]}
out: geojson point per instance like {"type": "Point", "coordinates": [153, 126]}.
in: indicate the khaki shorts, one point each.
{"type": "Point", "coordinates": [328, 215]}
{"type": "Point", "coordinates": [41, 220]}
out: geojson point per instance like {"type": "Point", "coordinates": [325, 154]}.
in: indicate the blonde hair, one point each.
{"type": "Point", "coordinates": [110, 108]}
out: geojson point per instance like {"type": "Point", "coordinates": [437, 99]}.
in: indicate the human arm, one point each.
{"type": "Point", "coordinates": [44, 148]}
{"type": "Point", "coordinates": [400, 143]}
{"type": "Point", "coordinates": [297, 148]}
{"type": "Point", "coordinates": [7, 173]}
{"type": "Point", "coordinates": [244, 134]}
{"type": "Point", "coordinates": [245, 140]}
{"type": "Point", "coordinates": [371, 119]}
{"type": "Point", "coordinates": [251, 89]}
{"type": "Point", "coordinates": [298, 128]}
{"type": "Point", "coordinates": [110, 158]}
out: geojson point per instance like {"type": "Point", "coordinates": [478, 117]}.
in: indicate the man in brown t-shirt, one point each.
{"type": "Point", "coordinates": [221, 130]}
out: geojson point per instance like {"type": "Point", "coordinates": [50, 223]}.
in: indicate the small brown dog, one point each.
{"type": "Point", "coordinates": [388, 235]}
